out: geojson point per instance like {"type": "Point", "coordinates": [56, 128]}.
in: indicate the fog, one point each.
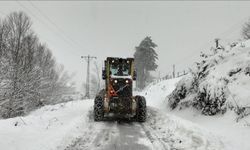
{"type": "Point", "coordinates": [180, 29]}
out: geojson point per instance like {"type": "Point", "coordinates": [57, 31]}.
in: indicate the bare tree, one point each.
{"type": "Point", "coordinates": [29, 75]}
{"type": "Point", "coordinates": [18, 26]}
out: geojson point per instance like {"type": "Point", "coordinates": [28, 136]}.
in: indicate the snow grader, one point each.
{"type": "Point", "coordinates": [116, 100]}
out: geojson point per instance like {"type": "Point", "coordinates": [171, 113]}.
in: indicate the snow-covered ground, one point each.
{"type": "Point", "coordinates": [46, 128]}
{"type": "Point", "coordinates": [227, 71]}
{"type": "Point", "coordinates": [234, 135]}
{"type": "Point", "coordinates": [70, 126]}
{"type": "Point", "coordinates": [155, 93]}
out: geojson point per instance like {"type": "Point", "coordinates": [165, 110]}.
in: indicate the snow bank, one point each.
{"type": "Point", "coordinates": [181, 134]}
{"type": "Point", "coordinates": [227, 71]}
{"type": "Point", "coordinates": [224, 128]}
{"type": "Point", "coordinates": [234, 135]}
{"type": "Point", "coordinates": [46, 128]}
{"type": "Point", "coordinates": [155, 93]}
{"type": "Point", "coordinates": [220, 82]}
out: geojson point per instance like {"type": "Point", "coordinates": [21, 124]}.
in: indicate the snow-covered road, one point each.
{"type": "Point", "coordinates": [71, 127]}
{"type": "Point", "coordinates": [114, 135]}
{"type": "Point", "coordinates": [160, 132]}
{"type": "Point", "coordinates": [122, 135]}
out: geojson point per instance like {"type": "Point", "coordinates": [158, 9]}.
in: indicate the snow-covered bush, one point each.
{"type": "Point", "coordinates": [247, 70]}
{"type": "Point", "coordinates": [177, 95]}
{"type": "Point", "coordinates": [212, 82]}
{"type": "Point", "coordinates": [211, 97]}
{"type": "Point", "coordinates": [207, 96]}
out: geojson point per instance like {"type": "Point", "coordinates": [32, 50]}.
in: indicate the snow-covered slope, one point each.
{"type": "Point", "coordinates": [155, 93]}
{"type": "Point", "coordinates": [234, 67]}
{"type": "Point", "coordinates": [227, 76]}
{"type": "Point", "coordinates": [219, 83]}
{"type": "Point", "coordinates": [235, 135]}
{"type": "Point", "coordinates": [168, 121]}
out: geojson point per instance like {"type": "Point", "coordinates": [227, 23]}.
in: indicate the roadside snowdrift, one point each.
{"type": "Point", "coordinates": [181, 134]}
{"type": "Point", "coordinates": [46, 128]}
{"type": "Point", "coordinates": [234, 135]}
{"type": "Point", "coordinates": [172, 128]}
{"type": "Point", "coordinates": [155, 93]}
{"type": "Point", "coordinates": [223, 78]}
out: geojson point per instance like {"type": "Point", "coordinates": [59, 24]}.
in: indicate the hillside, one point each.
{"type": "Point", "coordinates": [234, 134]}
{"type": "Point", "coordinates": [217, 84]}
{"type": "Point", "coordinates": [216, 94]}
{"type": "Point", "coordinates": [156, 92]}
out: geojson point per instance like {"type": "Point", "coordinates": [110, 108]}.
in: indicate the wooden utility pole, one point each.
{"type": "Point", "coordinates": [159, 75]}
{"type": "Point", "coordinates": [173, 71]}
{"type": "Point", "coordinates": [88, 59]}
{"type": "Point", "coordinates": [216, 43]}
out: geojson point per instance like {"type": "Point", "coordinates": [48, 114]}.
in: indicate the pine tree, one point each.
{"type": "Point", "coordinates": [145, 61]}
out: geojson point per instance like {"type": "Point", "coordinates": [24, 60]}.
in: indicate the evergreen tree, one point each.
{"type": "Point", "coordinates": [145, 61]}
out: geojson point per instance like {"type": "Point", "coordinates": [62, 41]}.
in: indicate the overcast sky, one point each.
{"type": "Point", "coordinates": [180, 29]}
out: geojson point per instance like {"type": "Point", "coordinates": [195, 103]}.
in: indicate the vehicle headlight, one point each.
{"type": "Point", "coordinates": [115, 81]}
{"type": "Point", "coordinates": [127, 81]}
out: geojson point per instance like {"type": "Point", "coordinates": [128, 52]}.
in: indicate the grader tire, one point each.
{"type": "Point", "coordinates": [98, 109]}
{"type": "Point", "coordinates": [141, 113]}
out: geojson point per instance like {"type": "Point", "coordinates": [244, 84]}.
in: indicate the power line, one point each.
{"type": "Point", "coordinates": [59, 35]}
{"type": "Point", "coordinates": [88, 59]}
{"type": "Point", "coordinates": [224, 33]}
{"type": "Point", "coordinates": [53, 23]}
{"type": "Point", "coordinates": [3, 13]}
{"type": "Point", "coordinates": [236, 25]}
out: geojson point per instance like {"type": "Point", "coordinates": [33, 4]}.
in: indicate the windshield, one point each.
{"type": "Point", "coordinates": [119, 69]}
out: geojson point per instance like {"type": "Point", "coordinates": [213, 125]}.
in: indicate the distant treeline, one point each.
{"type": "Point", "coordinates": [29, 75]}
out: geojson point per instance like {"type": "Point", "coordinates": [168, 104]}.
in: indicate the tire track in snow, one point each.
{"type": "Point", "coordinates": [130, 136]}
{"type": "Point", "coordinates": [95, 136]}
{"type": "Point", "coordinates": [180, 134]}
{"type": "Point", "coordinates": [159, 132]}
{"type": "Point", "coordinates": [156, 141]}
{"type": "Point", "coordinates": [105, 135]}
